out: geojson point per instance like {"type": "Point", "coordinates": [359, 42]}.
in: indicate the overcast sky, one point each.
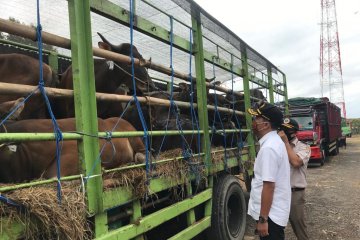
{"type": "Point", "coordinates": [288, 34]}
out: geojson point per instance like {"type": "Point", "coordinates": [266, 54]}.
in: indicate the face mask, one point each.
{"type": "Point", "coordinates": [255, 126]}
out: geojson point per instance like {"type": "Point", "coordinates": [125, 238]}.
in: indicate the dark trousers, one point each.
{"type": "Point", "coordinates": [276, 232]}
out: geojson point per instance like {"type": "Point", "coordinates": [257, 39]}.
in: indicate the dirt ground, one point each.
{"type": "Point", "coordinates": [333, 198]}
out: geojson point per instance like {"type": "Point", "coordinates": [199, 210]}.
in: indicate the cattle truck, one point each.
{"type": "Point", "coordinates": [320, 126]}
{"type": "Point", "coordinates": [195, 194]}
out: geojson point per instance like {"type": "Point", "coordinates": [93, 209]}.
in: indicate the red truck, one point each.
{"type": "Point", "coordinates": [320, 126]}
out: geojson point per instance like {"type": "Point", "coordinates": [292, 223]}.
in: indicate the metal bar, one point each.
{"type": "Point", "coordinates": [190, 215]}
{"type": "Point", "coordinates": [201, 91]}
{"type": "Point", "coordinates": [286, 95]}
{"type": "Point", "coordinates": [37, 183]}
{"type": "Point", "coordinates": [155, 219]}
{"type": "Point", "coordinates": [34, 49]}
{"type": "Point", "coordinates": [202, 98]}
{"type": "Point", "coordinates": [16, 137]}
{"type": "Point", "coordinates": [250, 137]}
{"type": "Point", "coordinates": [136, 216]}
{"type": "Point", "coordinates": [271, 85]}
{"type": "Point", "coordinates": [85, 106]}
{"type": "Point", "coordinates": [54, 62]}
{"type": "Point", "coordinates": [193, 230]}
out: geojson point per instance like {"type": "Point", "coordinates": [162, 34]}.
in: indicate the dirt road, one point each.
{"type": "Point", "coordinates": [333, 198]}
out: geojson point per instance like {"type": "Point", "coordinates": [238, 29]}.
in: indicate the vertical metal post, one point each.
{"type": "Point", "coordinates": [85, 107]}
{"type": "Point", "coordinates": [190, 215]}
{"type": "Point", "coordinates": [285, 95]}
{"type": "Point", "coordinates": [201, 90]}
{"type": "Point", "coordinates": [136, 216]}
{"type": "Point", "coordinates": [202, 102]}
{"type": "Point", "coordinates": [270, 84]}
{"type": "Point", "coordinates": [246, 83]}
{"type": "Point", "coordinates": [54, 61]}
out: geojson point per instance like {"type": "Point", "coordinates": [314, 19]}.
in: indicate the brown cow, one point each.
{"type": "Point", "coordinates": [109, 78]}
{"type": "Point", "coordinates": [22, 69]}
{"type": "Point", "coordinates": [24, 161]}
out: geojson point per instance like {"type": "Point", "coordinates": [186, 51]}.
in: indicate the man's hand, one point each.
{"type": "Point", "coordinates": [262, 229]}
{"type": "Point", "coordinates": [283, 136]}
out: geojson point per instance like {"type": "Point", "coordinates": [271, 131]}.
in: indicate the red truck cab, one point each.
{"type": "Point", "coordinates": [319, 126]}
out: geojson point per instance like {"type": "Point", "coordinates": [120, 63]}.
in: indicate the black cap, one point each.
{"type": "Point", "coordinates": [268, 111]}
{"type": "Point", "coordinates": [290, 124]}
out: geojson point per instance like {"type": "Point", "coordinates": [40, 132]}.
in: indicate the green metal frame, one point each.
{"type": "Point", "coordinates": [99, 201]}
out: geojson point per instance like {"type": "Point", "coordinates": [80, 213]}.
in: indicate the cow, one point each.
{"type": "Point", "coordinates": [110, 77]}
{"type": "Point", "coordinates": [22, 69]}
{"type": "Point", "coordinates": [159, 117]}
{"type": "Point", "coordinates": [24, 161]}
{"type": "Point", "coordinates": [16, 106]}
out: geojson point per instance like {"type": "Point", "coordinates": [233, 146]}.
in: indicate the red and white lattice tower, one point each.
{"type": "Point", "coordinates": [330, 60]}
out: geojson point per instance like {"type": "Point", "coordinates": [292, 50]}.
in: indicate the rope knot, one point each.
{"type": "Point", "coordinates": [41, 83]}
{"type": "Point", "coordinates": [187, 153]}
{"type": "Point", "coordinates": [38, 32]}
{"type": "Point", "coordinates": [108, 136]}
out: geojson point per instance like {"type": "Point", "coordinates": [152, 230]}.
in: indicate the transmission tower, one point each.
{"type": "Point", "coordinates": [330, 59]}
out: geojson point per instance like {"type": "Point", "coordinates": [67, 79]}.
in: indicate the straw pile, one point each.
{"type": "Point", "coordinates": [175, 171]}
{"type": "Point", "coordinates": [44, 217]}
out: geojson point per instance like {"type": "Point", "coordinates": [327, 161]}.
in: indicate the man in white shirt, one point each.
{"type": "Point", "coordinates": [270, 194]}
{"type": "Point", "coordinates": [299, 155]}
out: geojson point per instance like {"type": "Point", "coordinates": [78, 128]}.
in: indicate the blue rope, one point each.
{"type": "Point", "coordinates": [240, 142]}
{"type": "Point", "coordinates": [57, 131]}
{"type": "Point", "coordinates": [146, 135]}
{"type": "Point", "coordinates": [173, 107]}
{"type": "Point", "coordinates": [18, 106]}
{"type": "Point", "coordinates": [9, 201]}
{"type": "Point", "coordinates": [217, 114]}
{"type": "Point", "coordinates": [193, 112]}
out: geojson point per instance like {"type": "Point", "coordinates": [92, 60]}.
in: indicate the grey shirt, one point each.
{"type": "Point", "coordinates": [298, 175]}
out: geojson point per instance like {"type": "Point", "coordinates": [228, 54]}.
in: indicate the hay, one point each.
{"type": "Point", "coordinates": [175, 171]}
{"type": "Point", "coordinates": [44, 217]}
{"type": "Point", "coordinates": [219, 157]}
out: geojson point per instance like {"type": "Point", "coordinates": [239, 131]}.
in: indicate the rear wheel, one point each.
{"type": "Point", "coordinates": [228, 219]}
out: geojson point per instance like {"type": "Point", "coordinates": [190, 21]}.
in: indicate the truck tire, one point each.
{"type": "Point", "coordinates": [228, 219]}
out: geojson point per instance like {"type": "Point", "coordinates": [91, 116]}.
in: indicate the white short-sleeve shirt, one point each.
{"type": "Point", "coordinates": [272, 165]}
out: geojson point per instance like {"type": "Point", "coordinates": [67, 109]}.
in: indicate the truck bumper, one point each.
{"type": "Point", "coordinates": [316, 154]}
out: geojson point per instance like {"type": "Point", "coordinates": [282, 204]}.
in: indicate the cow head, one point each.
{"type": "Point", "coordinates": [143, 80]}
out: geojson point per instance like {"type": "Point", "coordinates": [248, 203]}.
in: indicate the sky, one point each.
{"type": "Point", "coordinates": [287, 32]}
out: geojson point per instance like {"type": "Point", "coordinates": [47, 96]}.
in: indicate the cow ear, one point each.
{"type": "Point", "coordinates": [104, 46]}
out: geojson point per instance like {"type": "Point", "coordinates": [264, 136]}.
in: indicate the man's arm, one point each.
{"type": "Point", "coordinates": [266, 202]}
{"type": "Point", "coordinates": [294, 159]}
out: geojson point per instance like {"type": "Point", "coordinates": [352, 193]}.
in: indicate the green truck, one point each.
{"type": "Point", "coordinates": [187, 195]}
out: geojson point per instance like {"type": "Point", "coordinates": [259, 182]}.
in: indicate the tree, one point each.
{"type": "Point", "coordinates": [25, 41]}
